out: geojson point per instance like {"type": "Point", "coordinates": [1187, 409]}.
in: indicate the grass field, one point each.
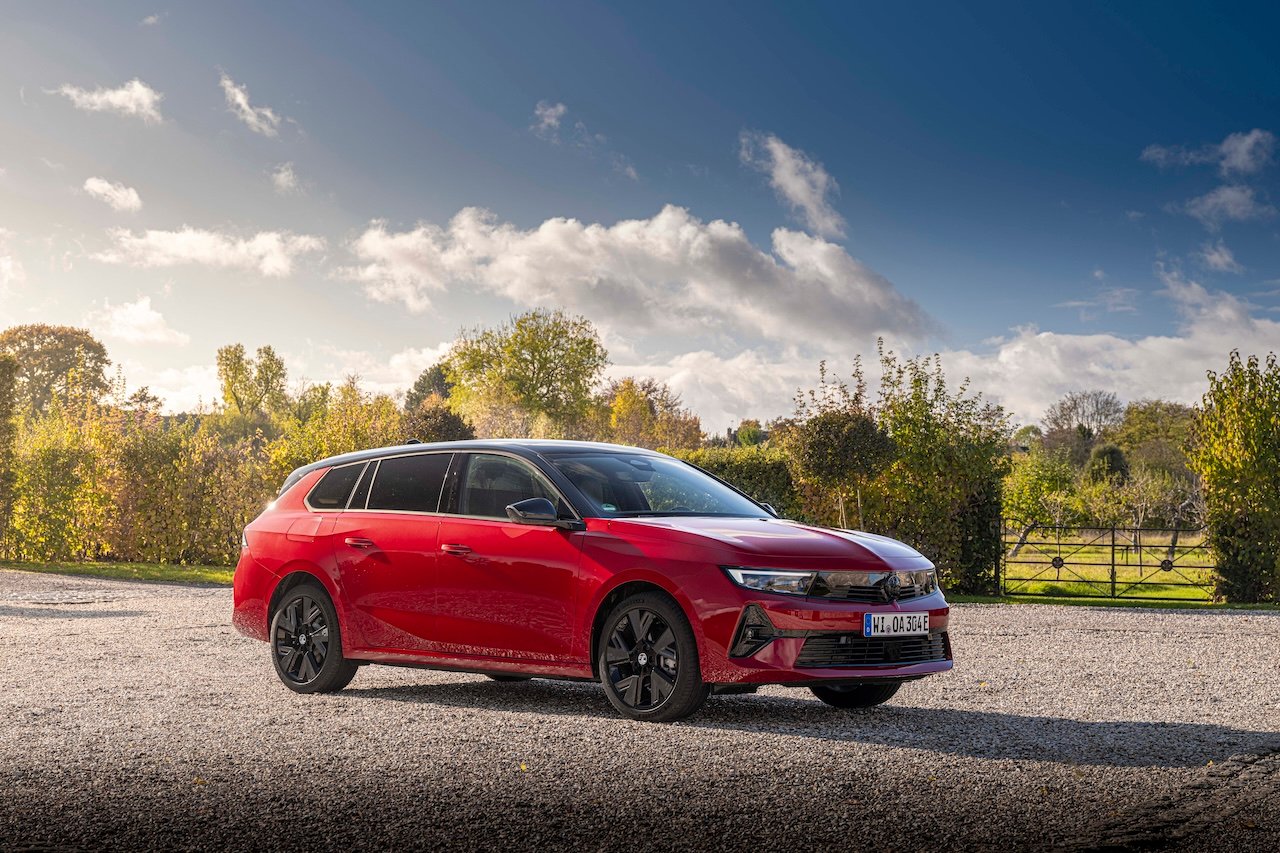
{"type": "Point", "coordinates": [150, 572]}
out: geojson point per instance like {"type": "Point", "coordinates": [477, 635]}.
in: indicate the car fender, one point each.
{"type": "Point", "coordinates": [638, 574]}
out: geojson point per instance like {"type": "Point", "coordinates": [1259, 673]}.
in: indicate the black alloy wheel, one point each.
{"type": "Point", "coordinates": [648, 660]}
{"type": "Point", "coordinates": [305, 644]}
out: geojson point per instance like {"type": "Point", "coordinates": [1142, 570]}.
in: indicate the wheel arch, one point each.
{"type": "Point", "coordinates": [626, 589]}
{"type": "Point", "coordinates": [300, 573]}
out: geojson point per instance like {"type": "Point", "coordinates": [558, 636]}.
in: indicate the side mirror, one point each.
{"type": "Point", "coordinates": [532, 511]}
{"type": "Point", "coordinates": [542, 512]}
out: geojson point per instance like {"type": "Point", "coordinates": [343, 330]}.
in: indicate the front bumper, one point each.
{"type": "Point", "coordinates": [820, 640]}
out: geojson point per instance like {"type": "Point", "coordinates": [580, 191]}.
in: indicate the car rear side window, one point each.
{"type": "Point", "coordinates": [410, 483]}
{"type": "Point", "coordinates": [335, 487]}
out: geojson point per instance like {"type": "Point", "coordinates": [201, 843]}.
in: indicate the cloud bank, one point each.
{"type": "Point", "coordinates": [270, 253]}
{"type": "Point", "coordinates": [671, 271]}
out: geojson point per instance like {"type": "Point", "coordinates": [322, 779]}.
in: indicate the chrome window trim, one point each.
{"type": "Point", "coordinates": [306, 500]}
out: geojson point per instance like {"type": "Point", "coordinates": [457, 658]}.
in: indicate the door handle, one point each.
{"type": "Point", "coordinates": [359, 542]}
{"type": "Point", "coordinates": [456, 550]}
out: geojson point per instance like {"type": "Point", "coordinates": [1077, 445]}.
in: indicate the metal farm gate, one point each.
{"type": "Point", "coordinates": [1109, 562]}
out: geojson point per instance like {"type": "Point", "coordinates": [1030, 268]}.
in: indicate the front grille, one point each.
{"type": "Point", "coordinates": [827, 650]}
{"type": "Point", "coordinates": [873, 587]}
{"type": "Point", "coordinates": [873, 594]}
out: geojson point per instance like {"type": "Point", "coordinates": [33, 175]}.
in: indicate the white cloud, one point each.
{"type": "Point", "coordinates": [117, 196]}
{"type": "Point", "coordinates": [1031, 369]}
{"type": "Point", "coordinates": [135, 323]}
{"type": "Point", "coordinates": [623, 166]}
{"type": "Point", "coordinates": [182, 389]}
{"type": "Point", "coordinates": [259, 119]}
{"type": "Point", "coordinates": [1220, 258]}
{"type": "Point", "coordinates": [11, 269]}
{"type": "Point", "coordinates": [271, 253]}
{"type": "Point", "coordinates": [134, 98]}
{"type": "Point", "coordinates": [1231, 202]}
{"type": "Point", "coordinates": [1109, 299]}
{"type": "Point", "coordinates": [1099, 274]}
{"type": "Point", "coordinates": [724, 389]}
{"type": "Point", "coordinates": [379, 373]}
{"type": "Point", "coordinates": [546, 120]}
{"type": "Point", "coordinates": [1238, 154]}
{"type": "Point", "coordinates": [671, 271]}
{"type": "Point", "coordinates": [284, 179]}
{"type": "Point", "coordinates": [152, 20]}
{"type": "Point", "coordinates": [800, 181]}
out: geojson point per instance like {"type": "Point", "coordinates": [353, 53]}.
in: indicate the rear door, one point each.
{"type": "Point", "coordinates": [386, 543]}
{"type": "Point", "coordinates": [504, 589]}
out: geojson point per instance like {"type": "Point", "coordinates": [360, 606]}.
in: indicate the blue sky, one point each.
{"type": "Point", "coordinates": [1053, 197]}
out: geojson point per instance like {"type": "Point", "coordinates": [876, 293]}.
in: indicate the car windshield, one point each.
{"type": "Point", "coordinates": [621, 485]}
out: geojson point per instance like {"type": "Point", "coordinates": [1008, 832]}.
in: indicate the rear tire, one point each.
{"type": "Point", "coordinates": [854, 695]}
{"type": "Point", "coordinates": [306, 642]}
{"type": "Point", "coordinates": [648, 660]}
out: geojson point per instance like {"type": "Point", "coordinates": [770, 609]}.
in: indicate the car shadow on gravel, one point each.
{"type": "Point", "coordinates": [952, 731]}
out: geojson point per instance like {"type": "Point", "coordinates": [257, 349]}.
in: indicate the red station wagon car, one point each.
{"type": "Point", "coordinates": [576, 560]}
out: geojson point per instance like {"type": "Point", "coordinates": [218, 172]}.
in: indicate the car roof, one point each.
{"type": "Point", "coordinates": [521, 446]}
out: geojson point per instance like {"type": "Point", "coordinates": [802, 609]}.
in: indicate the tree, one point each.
{"type": "Point", "coordinates": [1235, 450]}
{"type": "Point", "coordinates": [749, 433]}
{"type": "Point", "coordinates": [1096, 411]}
{"type": "Point", "coordinates": [835, 442]}
{"type": "Point", "coordinates": [48, 356]}
{"type": "Point", "coordinates": [943, 492]}
{"type": "Point", "coordinates": [1107, 463]}
{"type": "Point", "coordinates": [1035, 486]}
{"type": "Point", "coordinates": [1027, 438]}
{"type": "Point", "coordinates": [1154, 434]}
{"type": "Point", "coordinates": [351, 420]}
{"type": "Point", "coordinates": [647, 413]}
{"type": "Point", "coordinates": [8, 438]}
{"type": "Point", "coordinates": [1078, 420]}
{"type": "Point", "coordinates": [544, 362]}
{"type": "Point", "coordinates": [433, 420]}
{"type": "Point", "coordinates": [251, 386]}
{"type": "Point", "coordinates": [431, 381]}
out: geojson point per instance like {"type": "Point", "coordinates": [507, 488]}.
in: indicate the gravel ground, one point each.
{"type": "Point", "coordinates": [133, 715]}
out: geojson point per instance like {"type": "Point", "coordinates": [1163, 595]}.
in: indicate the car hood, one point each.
{"type": "Point", "coordinates": [777, 538]}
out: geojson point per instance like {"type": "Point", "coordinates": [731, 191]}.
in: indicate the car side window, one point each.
{"type": "Point", "coordinates": [335, 487]}
{"type": "Point", "coordinates": [409, 483]}
{"type": "Point", "coordinates": [493, 482]}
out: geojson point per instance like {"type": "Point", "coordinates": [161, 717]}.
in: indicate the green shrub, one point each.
{"type": "Point", "coordinates": [1235, 450]}
{"type": "Point", "coordinates": [761, 472]}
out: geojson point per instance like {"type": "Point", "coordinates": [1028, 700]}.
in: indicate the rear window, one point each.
{"type": "Point", "coordinates": [410, 483]}
{"type": "Point", "coordinates": [335, 487]}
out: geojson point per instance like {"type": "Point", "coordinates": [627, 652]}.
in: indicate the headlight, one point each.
{"type": "Point", "coordinates": [771, 580]}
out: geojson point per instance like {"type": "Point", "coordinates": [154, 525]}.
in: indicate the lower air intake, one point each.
{"type": "Point", "coordinates": [828, 650]}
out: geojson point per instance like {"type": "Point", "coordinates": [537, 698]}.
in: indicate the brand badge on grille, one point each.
{"type": "Point", "coordinates": [891, 588]}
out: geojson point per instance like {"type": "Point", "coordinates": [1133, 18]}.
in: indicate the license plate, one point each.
{"type": "Point", "coordinates": [894, 624]}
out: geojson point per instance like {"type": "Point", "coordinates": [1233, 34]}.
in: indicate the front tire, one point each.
{"type": "Point", "coordinates": [306, 642]}
{"type": "Point", "coordinates": [849, 696]}
{"type": "Point", "coordinates": [648, 660]}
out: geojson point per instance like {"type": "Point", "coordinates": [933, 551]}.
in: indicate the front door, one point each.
{"type": "Point", "coordinates": [386, 548]}
{"type": "Point", "coordinates": [504, 589]}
